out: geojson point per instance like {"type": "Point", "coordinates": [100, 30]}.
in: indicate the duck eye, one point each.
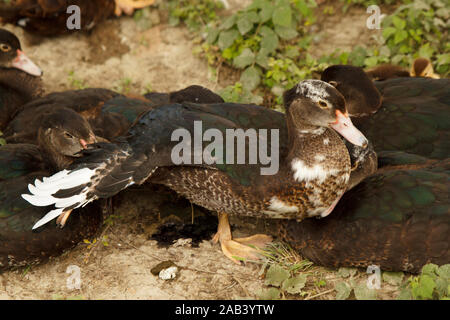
{"type": "Point", "coordinates": [323, 104]}
{"type": "Point", "coordinates": [68, 135]}
{"type": "Point", "coordinates": [5, 48]}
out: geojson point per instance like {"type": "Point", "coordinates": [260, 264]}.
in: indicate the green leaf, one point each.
{"type": "Point", "coordinates": [286, 33]}
{"type": "Point", "coordinates": [227, 38]}
{"type": "Point", "coordinates": [430, 269]}
{"type": "Point", "coordinates": [424, 287]}
{"type": "Point", "coordinates": [282, 16]}
{"type": "Point", "coordinates": [398, 23]}
{"type": "Point", "coordinates": [266, 11]}
{"type": "Point", "coordinates": [343, 290]}
{"type": "Point", "coordinates": [442, 287]}
{"type": "Point", "coordinates": [212, 34]}
{"type": "Point", "coordinates": [228, 23]}
{"type": "Point", "coordinates": [405, 294]}
{"type": "Point", "coordinates": [400, 35]}
{"type": "Point", "coordinates": [276, 274]}
{"type": "Point", "coordinates": [269, 41]}
{"type": "Point", "coordinates": [387, 32]}
{"type": "Point", "coordinates": [393, 278]}
{"type": "Point", "coordinates": [294, 285]}
{"type": "Point", "coordinates": [444, 271]}
{"type": "Point", "coordinates": [362, 292]}
{"type": "Point", "coordinates": [426, 51]}
{"type": "Point", "coordinates": [262, 59]}
{"type": "Point", "coordinates": [252, 16]}
{"type": "Point", "coordinates": [346, 272]}
{"type": "Point", "coordinates": [270, 294]}
{"type": "Point", "coordinates": [246, 58]}
{"type": "Point", "coordinates": [244, 25]}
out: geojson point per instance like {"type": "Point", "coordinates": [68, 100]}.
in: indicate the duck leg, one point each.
{"type": "Point", "coordinates": [238, 248]}
{"type": "Point", "coordinates": [128, 6]}
{"type": "Point", "coordinates": [62, 219]}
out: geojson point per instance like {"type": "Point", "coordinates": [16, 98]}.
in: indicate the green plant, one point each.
{"type": "Point", "coordinates": [75, 82]}
{"type": "Point", "coordinates": [366, 3]}
{"type": "Point", "coordinates": [360, 289]}
{"type": "Point", "coordinates": [432, 283]}
{"type": "Point", "coordinates": [194, 13]}
{"type": "Point", "coordinates": [261, 41]}
{"type": "Point", "coordinates": [282, 281]}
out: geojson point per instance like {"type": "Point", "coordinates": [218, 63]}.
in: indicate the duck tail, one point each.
{"type": "Point", "coordinates": [102, 172]}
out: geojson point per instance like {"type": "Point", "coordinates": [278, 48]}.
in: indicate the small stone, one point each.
{"type": "Point", "coordinates": [182, 243]}
{"type": "Point", "coordinates": [156, 270]}
{"type": "Point", "coordinates": [169, 273]}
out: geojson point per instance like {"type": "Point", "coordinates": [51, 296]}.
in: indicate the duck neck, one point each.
{"type": "Point", "coordinates": [302, 139]}
{"type": "Point", "coordinates": [55, 160]}
{"type": "Point", "coordinates": [26, 86]}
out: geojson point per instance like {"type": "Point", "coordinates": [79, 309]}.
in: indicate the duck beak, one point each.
{"type": "Point", "coordinates": [92, 139]}
{"type": "Point", "coordinates": [345, 127]}
{"type": "Point", "coordinates": [24, 63]}
{"type": "Point", "coordinates": [83, 143]}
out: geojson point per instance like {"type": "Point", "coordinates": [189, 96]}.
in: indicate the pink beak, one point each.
{"type": "Point", "coordinates": [24, 63]}
{"type": "Point", "coordinates": [83, 143]}
{"type": "Point", "coordinates": [345, 127]}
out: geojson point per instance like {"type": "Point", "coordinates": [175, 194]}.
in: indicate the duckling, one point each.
{"type": "Point", "coordinates": [421, 67]}
{"type": "Point", "coordinates": [61, 136]}
{"type": "Point", "coordinates": [20, 80]}
{"type": "Point", "coordinates": [314, 166]}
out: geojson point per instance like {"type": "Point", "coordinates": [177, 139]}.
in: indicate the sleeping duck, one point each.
{"type": "Point", "coordinates": [399, 217]}
{"type": "Point", "coordinates": [61, 136]}
{"type": "Point", "coordinates": [49, 17]}
{"type": "Point", "coordinates": [20, 80]}
{"type": "Point", "coordinates": [421, 67]}
{"type": "Point", "coordinates": [110, 114]}
{"type": "Point", "coordinates": [313, 173]}
{"type": "Point", "coordinates": [402, 114]}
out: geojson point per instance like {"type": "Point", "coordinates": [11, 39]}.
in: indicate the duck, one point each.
{"type": "Point", "coordinates": [110, 114]}
{"type": "Point", "coordinates": [62, 135]}
{"type": "Point", "coordinates": [192, 93]}
{"type": "Point", "coordinates": [20, 77]}
{"type": "Point", "coordinates": [395, 214]}
{"type": "Point", "coordinates": [421, 67]}
{"type": "Point", "coordinates": [314, 164]}
{"type": "Point", "coordinates": [50, 17]}
{"type": "Point", "coordinates": [397, 219]}
{"type": "Point", "coordinates": [400, 114]}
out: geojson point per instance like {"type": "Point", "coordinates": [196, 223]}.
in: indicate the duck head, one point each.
{"type": "Point", "coordinates": [63, 135]}
{"type": "Point", "coordinates": [361, 96]}
{"type": "Point", "coordinates": [422, 67]}
{"type": "Point", "coordinates": [314, 104]}
{"type": "Point", "coordinates": [12, 56]}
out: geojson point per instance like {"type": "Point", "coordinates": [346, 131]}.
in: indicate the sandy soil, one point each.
{"type": "Point", "coordinates": [159, 58]}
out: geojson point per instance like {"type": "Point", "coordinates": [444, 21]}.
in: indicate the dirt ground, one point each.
{"type": "Point", "coordinates": [118, 266]}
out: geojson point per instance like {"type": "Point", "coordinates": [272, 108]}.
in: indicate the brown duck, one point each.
{"type": "Point", "coordinates": [314, 167]}
{"type": "Point", "coordinates": [61, 136]}
{"type": "Point", "coordinates": [20, 80]}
